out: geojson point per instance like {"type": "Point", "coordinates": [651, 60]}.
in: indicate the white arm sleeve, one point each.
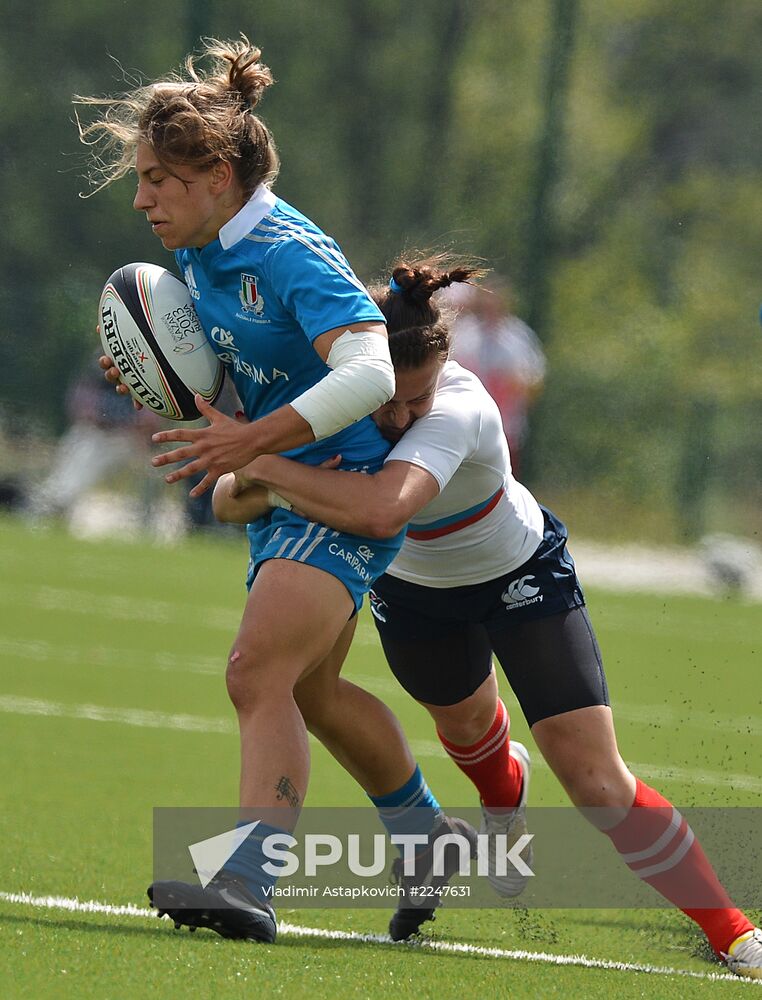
{"type": "Point", "coordinates": [361, 380]}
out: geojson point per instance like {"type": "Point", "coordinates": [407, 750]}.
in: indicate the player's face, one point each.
{"type": "Point", "coordinates": [183, 207]}
{"type": "Point", "coordinates": [413, 398]}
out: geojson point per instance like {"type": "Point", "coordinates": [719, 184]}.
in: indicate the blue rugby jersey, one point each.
{"type": "Point", "coordinates": [264, 290]}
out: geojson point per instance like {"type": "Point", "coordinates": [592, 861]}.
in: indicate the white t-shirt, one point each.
{"type": "Point", "coordinates": [483, 523]}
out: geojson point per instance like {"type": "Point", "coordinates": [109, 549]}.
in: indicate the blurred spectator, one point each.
{"type": "Point", "coordinates": [502, 350]}
{"type": "Point", "coordinates": [10, 494]}
{"type": "Point", "coordinates": [107, 437]}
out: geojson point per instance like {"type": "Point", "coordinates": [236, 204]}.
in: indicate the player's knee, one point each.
{"type": "Point", "coordinates": [598, 786]}
{"type": "Point", "coordinates": [249, 683]}
{"type": "Point", "coordinates": [463, 724]}
{"type": "Point", "coordinates": [237, 678]}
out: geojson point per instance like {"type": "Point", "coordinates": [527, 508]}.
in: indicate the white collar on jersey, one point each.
{"type": "Point", "coordinates": [252, 213]}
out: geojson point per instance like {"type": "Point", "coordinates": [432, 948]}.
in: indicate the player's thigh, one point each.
{"type": "Point", "coordinates": [552, 663]}
{"type": "Point", "coordinates": [436, 659]}
{"type": "Point", "coordinates": [294, 615]}
{"type": "Point", "coordinates": [318, 687]}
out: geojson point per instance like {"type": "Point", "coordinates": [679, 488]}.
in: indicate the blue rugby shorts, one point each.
{"type": "Point", "coordinates": [355, 560]}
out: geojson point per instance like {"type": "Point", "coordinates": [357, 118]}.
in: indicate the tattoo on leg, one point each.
{"type": "Point", "coordinates": [287, 791]}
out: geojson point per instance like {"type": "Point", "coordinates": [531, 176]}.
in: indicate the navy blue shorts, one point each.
{"type": "Point", "coordinates": [439, 642]}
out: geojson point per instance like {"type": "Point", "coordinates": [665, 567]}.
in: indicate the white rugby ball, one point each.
{"type": "Point", "coordinates": [149, 327]}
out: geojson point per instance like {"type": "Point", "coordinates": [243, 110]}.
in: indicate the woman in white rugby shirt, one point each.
{"type": "Point", "coordinates": [484, 569]}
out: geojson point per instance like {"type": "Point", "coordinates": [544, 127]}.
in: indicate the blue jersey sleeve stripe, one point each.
{"type": "Point", "coordinates": [349, 275]}
{"type": "Point", "coordinates": [319, 244]}
{"type": "Point", "coordinates": [262, 239]}
{"type": "Point", "coordinates": [286, 229]}
{"type": "Point", "coordinates": [291, 229]}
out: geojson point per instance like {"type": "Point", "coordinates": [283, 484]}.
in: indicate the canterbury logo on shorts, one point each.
{"type": "Point", "coordinates": [519, 593]}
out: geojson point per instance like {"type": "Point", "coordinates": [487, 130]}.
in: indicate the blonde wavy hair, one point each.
{"type": "Point", "coordinates": [194, 120]}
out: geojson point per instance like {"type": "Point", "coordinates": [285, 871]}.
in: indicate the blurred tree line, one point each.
{"type": "Point", "coordinates": [604, 157]}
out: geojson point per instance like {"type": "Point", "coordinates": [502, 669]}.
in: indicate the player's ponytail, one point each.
{"type": "Point", "coordinates": [193, 121]}
{"type": "Point", "coordinates": [236, 68]}
{"type": "Point", "coordinates": [418, 324]}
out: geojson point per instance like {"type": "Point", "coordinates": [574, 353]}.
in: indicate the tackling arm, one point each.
{"type": "Point", "coordinates": [361, 379]}
{"type": "Point", "coordinates": [377, 506]}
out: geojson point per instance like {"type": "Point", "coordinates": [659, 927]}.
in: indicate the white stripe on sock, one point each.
{"type": "Point", "coordinates": [671, 862]}
{"type": "Point", "coordinates": [658, 846]}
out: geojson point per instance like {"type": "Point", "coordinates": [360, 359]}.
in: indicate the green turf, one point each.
{"type": "Point", "coordinates": [100, 635]}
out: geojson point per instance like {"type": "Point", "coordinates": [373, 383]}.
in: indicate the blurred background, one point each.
{"type": "Point", "coordinates": [603, 158]}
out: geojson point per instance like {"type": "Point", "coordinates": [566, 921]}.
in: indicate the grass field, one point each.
{"type": "Point", "coordinates": [112, 701]}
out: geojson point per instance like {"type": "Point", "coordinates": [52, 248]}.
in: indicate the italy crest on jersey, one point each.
{"type": "Point", "coordinates": [251, 300]}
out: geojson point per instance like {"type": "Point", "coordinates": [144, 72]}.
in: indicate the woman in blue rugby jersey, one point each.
{"type": "Point", "coordinates": [307, 350]}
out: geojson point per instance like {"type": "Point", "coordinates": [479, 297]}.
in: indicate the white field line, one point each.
{"type": "Point", "coordinates": [40, 651]}
{"type": "Point", "coordinates": [687, 775]}
{"type": "Point", "coordinates": [145, 718]}
{"type": "Point", "coordinates": [444, 947]}
{"type": "Point", "coordinates": [15, 705]}
{"type": "Point", "coordinates": [126, 716]}
{"type": "Point", "coordinates": [102, 606]}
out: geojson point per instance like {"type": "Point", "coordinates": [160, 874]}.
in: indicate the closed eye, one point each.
{"type": "Point", "coordinates": [153, 179]}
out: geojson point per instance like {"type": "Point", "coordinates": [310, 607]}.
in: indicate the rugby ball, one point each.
{"type": "Point", "coordinates": [149, 327]}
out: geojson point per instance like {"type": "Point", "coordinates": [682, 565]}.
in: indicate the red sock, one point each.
{"type": "Point", "coordinates": [488, 764]}
{"type": "Point", "coordinates": [657, 844]}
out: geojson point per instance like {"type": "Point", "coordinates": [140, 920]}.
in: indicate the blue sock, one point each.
{"type": "Point", "coordinates": [248, 861]}
{"type": "Point", "coordinates": [411, 809]}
